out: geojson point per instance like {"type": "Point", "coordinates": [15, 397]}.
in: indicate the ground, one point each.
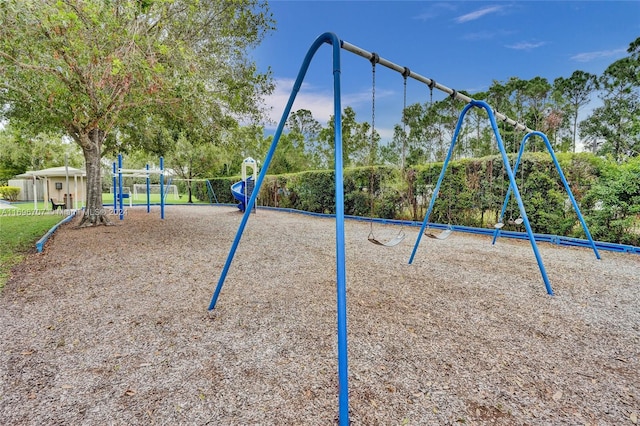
{"type": "Point", "coordinates": [110, 326]}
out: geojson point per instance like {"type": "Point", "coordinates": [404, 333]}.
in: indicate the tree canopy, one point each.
{"type": "Point", "coordinates": [165, 76]}
{"type": "Point", "coordinates": [99, 70]}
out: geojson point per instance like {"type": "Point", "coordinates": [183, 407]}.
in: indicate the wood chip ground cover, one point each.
{"type": "Point", "coordinates": [110, 326]}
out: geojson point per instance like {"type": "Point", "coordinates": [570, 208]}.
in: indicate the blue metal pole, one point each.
{"type": "Point", "coordinates": [267, 161]}
{"type": "Point", "coordinates": [440, 178]}
{"type": "Point", "coordinates": [341, 286]}
{"type": "Point", "coordinates": [512, 184]}
{"type": "Point", "coordinates": [161, 188]}
{"type": "Point", "coordinates": [567, 188]}
{"type": "Point", "coordinates": [340, 237]}
{"type": "Point", "coordinates": [120, 187]}
{"type": "Point", "coordinates": [148, 191]}
{"type": "Point", "coordinates": [212, 196]}
{"type": "Point", "coordinates": [115, 200]}
{"type": "Point", "coordinates": [565, 183]}
{"type": "Point", "coordinates": [506, 198]}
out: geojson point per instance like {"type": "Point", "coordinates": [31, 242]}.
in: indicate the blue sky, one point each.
{"type": "Point", "coordinates": [465, 45]}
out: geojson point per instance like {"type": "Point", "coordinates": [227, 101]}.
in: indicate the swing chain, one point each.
{"type": "Point", "coordinates": [431, 86]}
{"type": "Point", "coordinates": [374, 60]}
{"type": "Point", "coordinates": [405, 74]}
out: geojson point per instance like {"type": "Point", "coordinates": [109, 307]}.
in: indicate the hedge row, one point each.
{"type": "Point", "coordinates": [472, 194]}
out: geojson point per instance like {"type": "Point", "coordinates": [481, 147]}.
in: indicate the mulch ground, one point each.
{"type": "Point", "coordinates": [109, 326]}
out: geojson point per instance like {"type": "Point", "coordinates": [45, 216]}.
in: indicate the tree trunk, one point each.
{"type": "Point", "coordinates": [94, 213]}
{"type": "Point", "coordinates": [575, 131]}
{"type": "Point", "coordinates": [190, 182]}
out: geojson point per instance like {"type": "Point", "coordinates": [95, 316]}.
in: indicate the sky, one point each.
{"type": "Point", "coordinates": [465, 45]}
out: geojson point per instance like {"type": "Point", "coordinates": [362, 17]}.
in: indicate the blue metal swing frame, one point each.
{"type": "Point", "coordinates": [337, 45]}
{"type": "Point", "coordinates": [565, 183]}
{"type": "Point", "coordinates": [512, 186]}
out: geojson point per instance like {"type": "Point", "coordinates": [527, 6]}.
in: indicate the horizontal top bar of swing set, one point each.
{"type": "Point", "coordinates": [429, 82]}
{"type": "Point", "coordinates": [142, 171]}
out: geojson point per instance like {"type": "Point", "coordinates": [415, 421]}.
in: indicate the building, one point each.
{"type": "Point", "coordinates": [62, 184]}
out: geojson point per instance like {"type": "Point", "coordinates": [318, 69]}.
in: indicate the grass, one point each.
{"type": "Point", "coordinates": [19, 230]}
{"type": "Point", "coordinates": [28, 205]}
{"type": "Point", "coordinates": [107, 199]}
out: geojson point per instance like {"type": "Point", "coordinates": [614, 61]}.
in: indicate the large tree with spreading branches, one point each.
{"type": "Point", "coordinates": [97, 69]}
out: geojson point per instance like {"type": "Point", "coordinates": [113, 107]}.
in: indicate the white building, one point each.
{"type": "Point", "coordinates": [60, 184]}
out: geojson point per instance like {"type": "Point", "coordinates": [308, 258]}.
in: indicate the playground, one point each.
{"type": "Point", "coordinates": [110, 326]}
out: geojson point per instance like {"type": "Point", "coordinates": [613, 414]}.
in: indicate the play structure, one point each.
{"type": "Point", "coordinates": [119, 173]}
{"type": "Point", "coordinates": [243, 190]}
{"type": "Point", "coordinates": [337, 45]}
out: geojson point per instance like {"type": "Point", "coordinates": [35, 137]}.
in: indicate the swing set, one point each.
{"type": "Point", "coordinates": [337, 45]}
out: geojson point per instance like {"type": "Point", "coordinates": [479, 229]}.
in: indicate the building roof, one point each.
{"type": "Point", "coordinates": [53, 172]}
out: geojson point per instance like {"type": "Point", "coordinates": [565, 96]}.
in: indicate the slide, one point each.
{"type": "Point", "coordinates": [237, 190]}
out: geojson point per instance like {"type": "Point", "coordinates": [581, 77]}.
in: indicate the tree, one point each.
{"type": "Point", "coordinates": [614, 128]}
{"type": "Point", "coordinates": [93, 69]}
{"type": "Point", "coordinates": [191, 157]}
{"type": "Point", "coordinates": [613, 203]}
{"type": "Point", "coordinates": [308, 129]}
{"type": "Point", "coordinates": [507, 99]}
{"type": "Point", "coordinates": [356, 141]}
{"type": "Point", "coordinates": [20, 151]}
{"type": "Point", "coordinates": [576, 92]}
{"type": "Point", "coordinates": [536, 93]}
{"type": "Point", "coordinates": [413, 134]}
{"type": "Point", "coordinates": [290, 157]}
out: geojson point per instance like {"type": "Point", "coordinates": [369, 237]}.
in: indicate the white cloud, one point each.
{"type": "Point", "coordinates": [320, 103]}
{"type": "Point", "coordinates": [526, 45]}
{"type": "Point", "coordinates": [434, 11]}
{"type": "Point", "coordinates": [317, 100]}
{"type": "Point", "coordinates": [478, 14]}
{"type": "Point", "coordinates": [590, 56]}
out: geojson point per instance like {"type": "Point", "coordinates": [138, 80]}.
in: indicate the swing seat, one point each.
{"type": "Point", "coordinates": [517, 221]}
{"type": "Point", "coordinates": [391, 243]}
{"type": "Point", "coordinates": [441, 236]}
{"type": "Point", "coordinates": [499, 225]}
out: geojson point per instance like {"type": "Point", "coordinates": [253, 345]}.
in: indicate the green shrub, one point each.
{"type": "Point", "coordinates": [613, 204]}
{"type": "Point", "coordinates": [9, 193]}
{"type": "Point", "coordinates": [472, 193]}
